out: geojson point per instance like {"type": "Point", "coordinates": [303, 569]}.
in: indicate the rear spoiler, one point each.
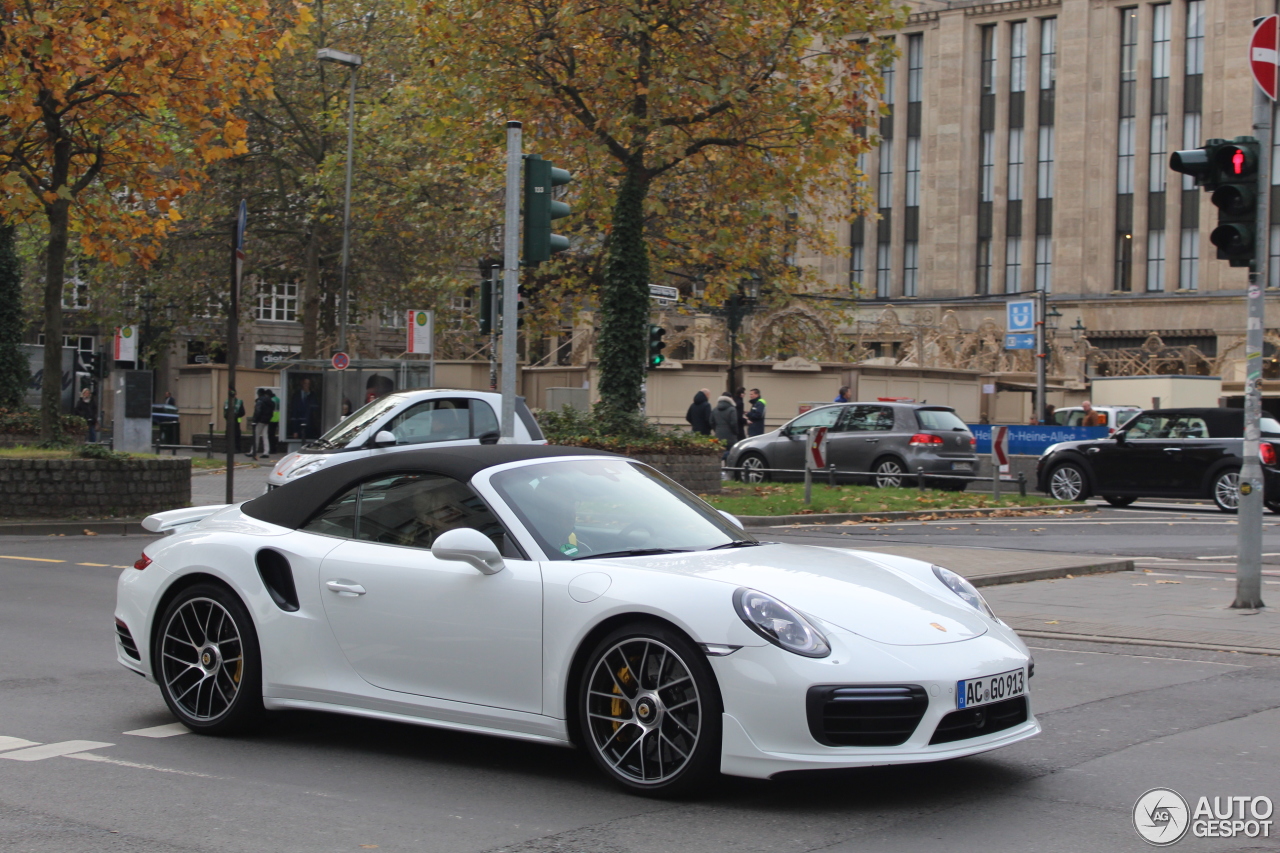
{"type": "Point", "coordinates": [175, 518]}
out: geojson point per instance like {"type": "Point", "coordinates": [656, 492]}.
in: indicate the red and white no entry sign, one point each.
{"type": "Point", "coordinates": [1263, 55]}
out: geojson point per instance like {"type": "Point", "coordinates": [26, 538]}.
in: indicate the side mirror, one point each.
{"type": "Point", "coordinates": [1119, 436]}
{"type": "Point", "coordinates": [470, 546]}
{"type": "Point", "coordinates": [490, 438]}
{"type": "Point", "coordinates": [731, 518]}
{"type": "Point", "coordinates": [384, 438]}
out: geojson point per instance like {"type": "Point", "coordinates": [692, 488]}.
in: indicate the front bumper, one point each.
{"type": "Point", "coordinates": [766, 727]}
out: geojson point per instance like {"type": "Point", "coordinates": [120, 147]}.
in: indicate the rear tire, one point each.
{"type": "Point", "coordinates": [1226, 490]}
{"type": "Point", "coordinates": [1115, 500]}
{"type": "Point", "coordinates": [207, 661]}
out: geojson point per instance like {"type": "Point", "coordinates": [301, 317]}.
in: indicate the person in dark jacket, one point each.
{"type": "Point", "coordinates": [232, 412]}
{"type": "Point", "coordinates": [263, 409]}
{"type": "Point", "coordinates": [699, 414]}
{"type": "Point", "coordinates": [741, 406]}
{"type": "Point", "coordinates": [724, 420]}
{"type": "Point", "coordinates": [755, 415]}
{"type": "Point", "coordinates": [842, 396]}
{"type": "Point", "coordinates": [85, 408]}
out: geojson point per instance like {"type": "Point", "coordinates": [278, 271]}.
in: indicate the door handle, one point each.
{"type": "Point", "coordinates": [345, 588]}
{"type": "Point", "coordinates": [1172, 449]}
{"type": "Point", "coordinates": [872, 440]}
{"type": "Point", "coordinates": [1093, 450]}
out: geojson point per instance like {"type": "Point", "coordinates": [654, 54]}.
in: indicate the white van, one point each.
{"type": "Point", "coordinates": [1117, 416]}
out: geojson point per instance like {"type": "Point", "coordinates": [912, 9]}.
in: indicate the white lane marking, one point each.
{"type": "Point", "coordinates": [52, 750]}
{"type": "Point", "coordinates": [102, 759]}
{"type": "Point", "coordinates": [15, 743]}
{"type": "Point", "coordinates": [167, 730]}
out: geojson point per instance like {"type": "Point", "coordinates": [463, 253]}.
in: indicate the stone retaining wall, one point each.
{"type": "Point", "coordinates": [699, 473]}
{"type": "Point", "coordinates": [92, 488]}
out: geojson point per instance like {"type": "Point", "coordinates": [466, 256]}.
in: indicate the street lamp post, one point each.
{"type": "Point", "coordinates": [738, 306]}
{"type": "Point", "coordinates": [350, 60]}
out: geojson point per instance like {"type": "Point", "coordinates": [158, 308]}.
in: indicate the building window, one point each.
{"type": "Point", "coordinates": [1155, 260]}
{"type": "Point", "coordinates": [910, 268]}
{"type": "Point", "coordinates": [882, 271]}
{"type": "Point", "coordinates": [983, 285]}
{"type": "Point", "coordinates": [1189, 263]}
{"type": "Point", "coordinates": [75, 295]}
{"type": "Point", "coordinates": [1018, 57]}
{"type": "Point", "coordinates": [989, 60]}
{"type": "Point", "coordinates": [1126, 147]}
{"type": "Point", "coordinates": [913, 171]}
{"type": "Point", "coordinates": [1013, 265]}
{"type": "Point", "coordinates": [987, 168]}
{"type": "Point", "coordinates": [278, 303]}
{"type": "Point", "coordinates": [1273, 268]}
{"type": "Point", "coordinates": [390, 318]}
{"type": "Point", "coordinates": [1195, 37]}
{"type": "Point", "coordinates": [1044, 164]}
{"type": "Point", "coordinates": [915, 68]}
{"type": "Point", "coordinates": [1044, 263]}
{"type": "Point", "coordinates": [1015, 164]}
{"type": "Point", "coordinates": [1124, 174]}
{"type": "Point", "coordinates": [1190, 139]}
{"type": "Point", "coordinates": [1048, 53]}
{"type": "Point", "coordinates": [857, 265]}
{"type": "Point", "coordinates": [884, 187]}
{"type": "Point", "coordinates": [1124, 262]}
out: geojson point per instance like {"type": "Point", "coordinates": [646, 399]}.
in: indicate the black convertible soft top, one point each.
{"type": "Point", "coordinates": [294, 503]}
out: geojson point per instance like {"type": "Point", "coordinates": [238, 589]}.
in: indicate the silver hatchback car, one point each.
{"type": "Point", "coordinates": [883, 443]}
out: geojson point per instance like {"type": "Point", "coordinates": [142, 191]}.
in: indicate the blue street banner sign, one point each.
{"type": "Point", "coordinates": [1020, 324]}
{"type": "Point", "coordinates": [1020, 341]}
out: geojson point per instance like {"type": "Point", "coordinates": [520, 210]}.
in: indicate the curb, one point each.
{"type": "Point", "coordinates": [818, 518]}
{"type": "Point", "coordinates": [120, 527]}
{"type": "Point", "coordinates": [1025, 575]}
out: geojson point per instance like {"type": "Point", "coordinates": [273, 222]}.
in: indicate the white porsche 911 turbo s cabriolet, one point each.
{"type": "Point", "coordinates": [568, 597]}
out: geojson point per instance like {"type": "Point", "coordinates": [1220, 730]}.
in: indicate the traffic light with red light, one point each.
{"type": "Point", "coordinates": [1228, 170]}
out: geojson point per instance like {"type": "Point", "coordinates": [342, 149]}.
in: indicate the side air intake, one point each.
{"type": "Point", "coordinates": [277, 576]}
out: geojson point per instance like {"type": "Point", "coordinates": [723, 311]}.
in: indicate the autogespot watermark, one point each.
{"type": "Point", "coordinates": [1163, 817]}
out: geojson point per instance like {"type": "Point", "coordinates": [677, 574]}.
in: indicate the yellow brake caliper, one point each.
{"type": "Point", "coordinates": [616, 706]}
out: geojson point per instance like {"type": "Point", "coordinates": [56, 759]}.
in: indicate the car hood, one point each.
{"type": "Point", "coordinates": [848, 589]}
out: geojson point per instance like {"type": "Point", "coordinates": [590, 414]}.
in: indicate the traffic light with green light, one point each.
{"type": "Point", "coordinates": [656, 346]}
{"type": "Point", "coordinates": [540, 179]}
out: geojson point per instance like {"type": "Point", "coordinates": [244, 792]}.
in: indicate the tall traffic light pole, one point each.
{"type": "Point", "coordinates": [510, 282]}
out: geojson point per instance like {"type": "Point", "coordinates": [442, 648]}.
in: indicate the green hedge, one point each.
{"type": "Point", "coordinates": [625, 434]}
{"type": "Point", "coordinates": [26, 421]}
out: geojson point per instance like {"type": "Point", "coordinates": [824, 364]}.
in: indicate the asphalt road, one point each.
{"type": "Point", "coordinates": [1118, 721]}
{"type": "Point", "coordinates": [1185, 536]}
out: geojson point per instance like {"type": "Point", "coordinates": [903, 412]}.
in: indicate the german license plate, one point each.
{"type": "Point", "coordinates": [991, 688]}
{"type": "Point", "coordinates": [961, 466]}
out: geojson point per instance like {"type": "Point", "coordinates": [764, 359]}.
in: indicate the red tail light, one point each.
{"type": "Point", "coordinates": [920, 439]}
{"type": "Point", "coordinates": [1267, 453]}
{"type": "Point", "coordinates": [973, 442]}
{"type": "Point", "coordinates": [142, 562]}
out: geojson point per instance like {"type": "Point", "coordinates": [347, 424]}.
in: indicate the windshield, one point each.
{"type": "Point", "coordinates": [939, 419]}
{"type": "Point", "coordinates": [355, 423]}
{"type": "Point", "coordinates": [587, 508]}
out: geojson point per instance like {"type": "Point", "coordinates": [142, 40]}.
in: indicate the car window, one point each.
{"type": "Point", "coordinates": [483, 420]}
{"type": "Point", "coordinates": [867, 419]}
{"type": "Point", "coordinates": [338, 518]}
{"type": "Point", "coordinates": [1148, 426]}
{"type": "Point", "coordinates": [1122, 416]}
{"type": "Point", "coordinates": [1269, 425]}
{"type": "Point", "coordinates": [825, 416]}
{"type": "Point", "coordinates": [1187, 426]}
{"type": "Point", "coordinates": [1074, 418]}
{"type": "Point", "coordinates": [943, 419]}
{"type": "Point", "coordinates": [356, 423]}
{"type": "Point", "coordinates": [432, 420]}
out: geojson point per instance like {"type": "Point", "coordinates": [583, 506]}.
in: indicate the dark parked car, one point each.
{"type": "Point", "coordinates": [886, 440]}
{"type": "Point", "coordinates": [1169, 453]}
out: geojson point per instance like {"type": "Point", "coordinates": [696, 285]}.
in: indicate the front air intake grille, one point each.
{"type": "Point", "coordinates": [126, 640]}
{"type": "Point", "coordinates": [983, 720]}
{"type": "Point", "coordinates": [868, 715]}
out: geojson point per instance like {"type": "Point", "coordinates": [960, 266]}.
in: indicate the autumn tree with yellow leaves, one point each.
{"type": "Point", "coordinates": [109, 113]}
{"type": "Point", "coordinates": [748, 112]}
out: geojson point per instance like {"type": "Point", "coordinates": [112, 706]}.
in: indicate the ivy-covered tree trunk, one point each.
{"type": "Point", "coordinates": [15, 371]}
{"type": "Point", "coordinates": [624, 299]}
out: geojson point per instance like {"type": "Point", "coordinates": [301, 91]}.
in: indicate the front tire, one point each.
{"type": "Point", "coordinates": [649, 711]}
{"type": "Point", "coordinates": [1067, 483]}
{"type": "Point", "coordinates": [207, 661]}
{"type": "Point", "coordinates": [753, 467]}
{"type": "Point", "coordinates": [1226, 490]}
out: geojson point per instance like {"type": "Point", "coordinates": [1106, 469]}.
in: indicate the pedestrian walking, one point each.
{"type": "Point", "coordinates": [724, 420]}
{"type": "Point", "coordinates": [699, 414]}
{"type": "Point", "coordinates": [85, 408]}
{"type": "Point", "coordinates": [232, 412]}
{"type": "Point", "coordinates": [755, 415]}
{"type": "Point", "coordinates": [263, 409]}
{"type": "Point", "coordinates": [842, 396]}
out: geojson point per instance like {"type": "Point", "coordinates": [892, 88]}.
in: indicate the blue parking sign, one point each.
{"type": "Point", "coordinates": [1021, 316]}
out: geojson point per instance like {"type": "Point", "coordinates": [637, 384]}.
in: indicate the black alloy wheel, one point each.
{"type": "Point", "coordinates": [1116, 500]}
{"type": "Point", "coordinates": [649, 711]}
{"type": "Point", "coordinates": [1067, 483]}
{"type": "Point", "coordinates": [207, 661]}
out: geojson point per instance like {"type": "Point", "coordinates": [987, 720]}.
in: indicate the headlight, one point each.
{"type": "Point", "coordinates": [779, 624]}
{"type": "Point", "coordinates": [967, 591]}
{"type": "Point", "coordinates": [309, 468]}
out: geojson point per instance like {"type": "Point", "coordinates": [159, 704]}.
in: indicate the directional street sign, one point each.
{"type": "Point", "coordinates": [664, 295]}
{"type": "Point", "coordinates": [1263, 55]}
{"type": "Point", "coordinates": [1020, 323]}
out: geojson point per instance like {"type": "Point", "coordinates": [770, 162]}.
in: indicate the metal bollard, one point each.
{"type": "Point", "coordinates": [1022, 483]}
{"type": "Point", "coordinates": [920, 478]}
{"type": "Point", "coordinates": [831, 475]}
{"type": "Point", "coordinates": [208, 448]}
